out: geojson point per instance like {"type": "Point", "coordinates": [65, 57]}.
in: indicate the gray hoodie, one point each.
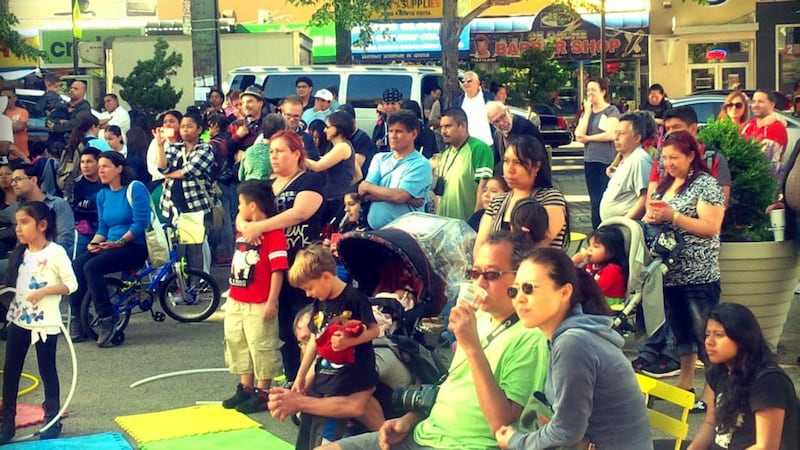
{"type": "Point", "coordinates": [593, 390]}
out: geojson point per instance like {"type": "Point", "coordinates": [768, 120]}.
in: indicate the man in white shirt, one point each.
{"type": "Point", "coordinates": [627, 190]}
{"type": "Point", "coordinates": [473, 102]}
{"type": "Point", "coordinates": [114, 115]}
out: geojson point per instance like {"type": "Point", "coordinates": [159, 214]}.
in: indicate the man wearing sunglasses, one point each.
{"type": "Point", "coordinates": [496, 367]}
{"type": "Point", "coordinates": [473, 101]}
{"type": "Point", "coordinates": [767, 128]}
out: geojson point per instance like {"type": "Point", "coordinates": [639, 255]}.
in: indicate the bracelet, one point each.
{"type": "Point", "coordinates": [121, 242]}
{"type": "Point", "coordinates": [675, 215]}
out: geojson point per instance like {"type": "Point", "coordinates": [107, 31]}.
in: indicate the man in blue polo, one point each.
{"type": "Point", "coordinates": [398, 181]}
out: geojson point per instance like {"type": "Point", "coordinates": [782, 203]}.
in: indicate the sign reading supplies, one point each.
{"type": "Point", "coordinates": [406, 41]}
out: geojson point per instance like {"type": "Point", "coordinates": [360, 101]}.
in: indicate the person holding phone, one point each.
{"type": "Point", "coordinates": [690, 200]}
{"type": "Point", "coordinates": [166, 131]}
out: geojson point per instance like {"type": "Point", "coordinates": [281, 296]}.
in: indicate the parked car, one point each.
{"type": "Point", "coordinates": [27, 98]}
{"type": "Point", "coordinates": [554, 129]}
{"type": "Point", "coordinates": [709, 106]}
{"type": "Point", "coordinates": [782, 102]}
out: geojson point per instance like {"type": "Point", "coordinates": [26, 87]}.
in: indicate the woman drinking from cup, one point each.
{"type": "Point", "coordinates": [691, 200]}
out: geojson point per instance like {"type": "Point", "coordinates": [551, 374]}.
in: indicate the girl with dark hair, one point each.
{"type": "Point", "coordinates": [137, 142]}
{"type": "Point", "coordinates": [690, 200]}
{"type": "Point", "coordinates": [529, 219]}
{"type": "Point", "coordinates": [596, 130]}
{"type": "Point", "coordinates": [317, 131]}
{"type": "Point", "coordinates": [596, 400]}
{"type": "Point", "coordinates": [188, 187]}
{"type": "Point", "coordinates": [752, 402]}
{"type": "Point", "coordinates": [123, 211]}
{"type": "Point", "coordinates": [115, 140]}
{"type": "Point", "coordinates": [338, 164]}
{"type": "Point", "coordinates": [493, 186]}
{"type": "Point", "coordinates": [526, 169]}
{"type": "Point", "coordinates": [41, 271]}
{"type": "Point", "coordinates": [606, 261]}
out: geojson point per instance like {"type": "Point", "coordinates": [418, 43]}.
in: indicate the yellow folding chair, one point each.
{"type": "Point", "coordinates": [675, 427]}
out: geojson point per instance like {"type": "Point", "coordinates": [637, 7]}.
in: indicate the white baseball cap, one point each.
{"type": "Point", "coordinates": [324, 94]}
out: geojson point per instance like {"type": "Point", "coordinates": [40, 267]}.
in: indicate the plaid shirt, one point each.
{"type": "Point", "coordinates": [196, 183]}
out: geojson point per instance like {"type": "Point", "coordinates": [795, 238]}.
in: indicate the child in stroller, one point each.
{"type": "Point", "coordinates": [606, 261]}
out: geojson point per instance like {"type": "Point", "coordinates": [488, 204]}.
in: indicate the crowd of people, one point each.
{"type": "Point", "coordinates": [536, 361]}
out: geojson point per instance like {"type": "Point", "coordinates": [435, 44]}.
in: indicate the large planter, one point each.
{"type": "Point", "coordinates": [762, 276]}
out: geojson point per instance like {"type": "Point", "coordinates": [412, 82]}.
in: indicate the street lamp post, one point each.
{"type": "Point", "coordinates": [602, 38]}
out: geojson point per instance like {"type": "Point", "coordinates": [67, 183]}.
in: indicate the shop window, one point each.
{"type": "Point", "coordinates": [788, 50]}
{"type": "Point", "coordinates": [719, 52]}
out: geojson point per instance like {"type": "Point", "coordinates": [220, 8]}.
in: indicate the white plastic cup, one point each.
{"type": "Point", "coordinates": [779, 234]}
{"type": "Point", "coordinates": [468, 292]}
{"type": "Point", "coordinates": [777, 218]}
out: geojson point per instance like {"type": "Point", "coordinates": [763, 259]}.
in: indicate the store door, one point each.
{"type": "Point", "coordinates": [706, 77]}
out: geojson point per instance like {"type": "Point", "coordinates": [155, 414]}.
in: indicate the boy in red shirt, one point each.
{"type": "Point", "coordinates": [252, 345]}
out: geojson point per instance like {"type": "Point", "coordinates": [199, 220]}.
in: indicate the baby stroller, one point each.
{"type": "Point", "coordinates": [645, 273]}
{"type": "Point", "coordinates": [423, 254]}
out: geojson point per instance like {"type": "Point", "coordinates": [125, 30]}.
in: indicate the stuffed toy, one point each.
{"type": "Point", "coordinates": [351, 328]}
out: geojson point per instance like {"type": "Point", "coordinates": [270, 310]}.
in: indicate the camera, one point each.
{"type": "Point", "coordinates": [415, 400]}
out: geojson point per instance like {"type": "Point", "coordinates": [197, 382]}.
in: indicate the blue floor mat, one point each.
{"type": "Point", "coordinates": [102, 441]}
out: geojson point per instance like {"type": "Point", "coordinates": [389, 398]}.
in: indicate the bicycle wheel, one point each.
{"type": "Point", "coordinates": [196, 303]}
{"type": "Point", "coordinates": [88, 315]}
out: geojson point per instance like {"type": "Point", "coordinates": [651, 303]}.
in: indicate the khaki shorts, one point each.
{"type": "Point", "coordinates": [252, 346]}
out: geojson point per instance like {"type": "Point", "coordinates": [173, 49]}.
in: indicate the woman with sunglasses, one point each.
{"type": "Point", "coordinates": [526, 170]}
{"type": "Point", "coordinates": [690, 201]}
{"type": "Point", "coordinates": [735, 108]}
{"type": "Point", "coordinates": [592, 389]}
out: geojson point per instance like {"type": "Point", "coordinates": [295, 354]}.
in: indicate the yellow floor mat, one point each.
{"type": "Point", "coordinates": [191, 421]}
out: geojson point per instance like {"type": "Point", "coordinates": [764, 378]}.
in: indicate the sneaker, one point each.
{"type": "Point", "coordinates": [639, 363]}
{"type": "Point", "coordinates": [242, 394]}
{"type": "Point", "coordinates": [256, 403]}
{"type": "Point", "coordinates": [664, 367]}
{"type": "Point", "coordinates": [105, 330]}
{"type": "Point", "coordinates": [76, 330]}
{"type": "Point", "coordinates": [698, 408]}
{"type": "Point", "coordinates": [53, 432]}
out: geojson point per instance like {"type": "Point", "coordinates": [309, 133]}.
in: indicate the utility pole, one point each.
{"type": "Point", "coordinates": [205, 42]}
{"type": "Point", "coordinates": [77, 34]}
{"type": "Point", "coordinates": [602, 38]}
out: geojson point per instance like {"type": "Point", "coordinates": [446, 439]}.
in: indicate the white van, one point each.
{"type": "Point", "coordinates": [359, 86]}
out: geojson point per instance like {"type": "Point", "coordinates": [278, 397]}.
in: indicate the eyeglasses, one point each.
{"type": "Point", "coordinates": [18, 179]}
{"type": "Point", "coordinates": [513, 291]}
{"type": "Point", "coordinates": [291, 116]}
{"type": "Point", "coordinates": [488, 275]}
{"type": "Point", "coordinates": [466, 81]}
{"type": "Point", "coordinates": [737, 105]}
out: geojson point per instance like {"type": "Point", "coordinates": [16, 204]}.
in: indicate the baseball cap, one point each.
{"type": "Point", "coordinates": [392, 95]}
{"type": "Point", "coordinates": [253, 91]}
{"type": "Point", "coordinates": [324, 94]}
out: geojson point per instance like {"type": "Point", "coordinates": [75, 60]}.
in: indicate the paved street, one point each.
{"type": "Point", "coordinates": [151, 348]}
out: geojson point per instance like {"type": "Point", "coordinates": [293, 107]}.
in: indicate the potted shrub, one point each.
{"type": "Point", "coordinates": [755, 270]}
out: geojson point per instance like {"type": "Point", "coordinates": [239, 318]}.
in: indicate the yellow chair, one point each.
{"type": "Point", "coordinates": [677, 428]}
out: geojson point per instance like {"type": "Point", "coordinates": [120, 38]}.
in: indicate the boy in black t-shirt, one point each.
{"type": "Point", "coordinates": [343, 328]}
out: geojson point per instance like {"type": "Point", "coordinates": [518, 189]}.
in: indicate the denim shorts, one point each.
{"type": "Point", "coordinates": [687, 308]}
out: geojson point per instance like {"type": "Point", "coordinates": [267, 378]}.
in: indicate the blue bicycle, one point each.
{"type": "Point", "coordinates": [185, 294]}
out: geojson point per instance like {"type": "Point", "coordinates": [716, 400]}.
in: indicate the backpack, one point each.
{"type": "Point", "coordinates": [154, 235]}
{"type": "Point", "coordinates": [69, 164]}
{"type": "Point", "coordinates": [421, 361]}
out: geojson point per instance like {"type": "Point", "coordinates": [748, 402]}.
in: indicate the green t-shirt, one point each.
{"type": "Point", "coordinates": [462, 169]}
{"type": "Point", "coordinates": [518, 358]}
{"type": "Point", "coordinates": [255, 164]}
